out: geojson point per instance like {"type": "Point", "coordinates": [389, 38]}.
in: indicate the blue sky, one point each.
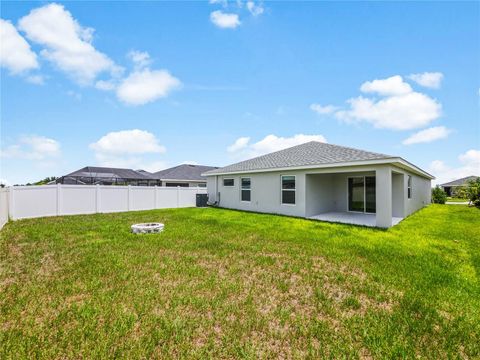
{"type": "Point", "coordinates": [152, 84]}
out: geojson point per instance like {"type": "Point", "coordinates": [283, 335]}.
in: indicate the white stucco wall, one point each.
{"type": "Point", "coordinates": [323, 190]}
{"type": "Point", "coordinates": [265, 193]}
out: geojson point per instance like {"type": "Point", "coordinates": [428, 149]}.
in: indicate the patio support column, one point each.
{"type": "Point", "coordinates": [383, 193]}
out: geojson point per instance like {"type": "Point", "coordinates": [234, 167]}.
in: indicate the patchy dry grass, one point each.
{"type": "Point", "coordinates": [228, 284]}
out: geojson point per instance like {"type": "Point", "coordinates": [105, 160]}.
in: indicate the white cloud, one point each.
{"type": "Point", "coordinates": [239, 144]}
{"type": "Point", "coordinates": [469, 164]}
{"type": "Point", "coordinates": [105, 85]}
{"type": "Point", "coordinates": [400, 109]}
{"type": "Point", "coordinates": [428, 79]}
{"type": "Point", "coordinates": [36, 79]}
{"type": "Point", "coordinates": [66, 43]}
{"type": "Point", "coordinates": [128, 142]}
{"type": "Point", "coordinates": [428, 135]}
{"type": "Point", "coordinates": [224, 20]}
{"type": "Point", "coordinates": [126, 148]}
{"type": "Point", "coordinates": [224, 3]}
{"type": "Point", "coordinates": [391, 86]}
{"type": "Point", "coordinates": [33, 147]}
{"type": "Point", "coordinates": [15, 52]}
{"type": "Point", "coordinates": [141, 59]}
{"type": "Point", "coordinates": [471, 157]}
{"type": "Point", "coordinates": [255, 9]}
{"type": "Point", "coordinates": [320, 109]}
{"type": "Point", "coordinates": [145, 86]}
{"type": "Point", "coordinates": [243, 149]}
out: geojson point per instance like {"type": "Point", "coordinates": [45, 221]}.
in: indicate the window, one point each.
{"type": "Point", "coordinates": [288, 189]}
{"type": "Point", "coordinates": [172, 184]}
{"type": "Point", "coordinates": [228, 182]}
{"type": "Point", "coordinates": [202, 185]}
{"type": "Point", "coordinates": [246, 189]}
{"type": "Point", "coordinates": [409, 187]}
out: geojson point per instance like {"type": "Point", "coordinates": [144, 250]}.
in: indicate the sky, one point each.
{"type": "Point", "coordinates": [150, 85]}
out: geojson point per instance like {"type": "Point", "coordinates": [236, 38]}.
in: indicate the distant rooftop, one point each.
{"type": "Point", "coordinates": [460, 182]}
{"type": "Point", "coordinates": [111, 173]}
{"type": "Point", "coordinates": [184, 172]}
{"type": "Point", "coordinates": [311, 153]}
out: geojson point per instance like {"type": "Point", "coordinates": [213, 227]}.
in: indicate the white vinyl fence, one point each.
{"type": "Point", "coordinates": [22, 202]}
{"type": "Point", "coordinates": [3, 206]}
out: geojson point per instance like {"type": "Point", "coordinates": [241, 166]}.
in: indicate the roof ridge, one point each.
{"type": "Point", "coordinates": [303, 144]}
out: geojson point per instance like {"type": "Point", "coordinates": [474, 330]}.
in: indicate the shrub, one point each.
{"type": "Point", "coordinates": [438, 196]}
{"type": "Point", "coordinates": [473, 192]}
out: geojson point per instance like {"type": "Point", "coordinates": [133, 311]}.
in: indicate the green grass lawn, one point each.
{"type": "Point", "coordinates": [228, 284]}
{"type": "Point", "coordinates": [456, 199]}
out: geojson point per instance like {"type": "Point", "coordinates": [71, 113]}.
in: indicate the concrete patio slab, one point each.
{"type": "Point", "coordinates": [351, 218]}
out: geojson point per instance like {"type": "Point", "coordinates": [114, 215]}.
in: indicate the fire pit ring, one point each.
{"type": "Point", "coordinates": [147, 228]}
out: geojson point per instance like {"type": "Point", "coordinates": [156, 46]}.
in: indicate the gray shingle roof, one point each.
{"type": "Point", "coordinates": [460, 182]}
{"type": "Point", "coordinates": [184, 172]}
{"type": "Point", "coordinates": [311, 153]}
{"type": "Point", "coordinates": [110, 173]}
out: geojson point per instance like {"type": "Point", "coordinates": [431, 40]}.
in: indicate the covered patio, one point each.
{"type": "Point", "coordinates": [368, 197]}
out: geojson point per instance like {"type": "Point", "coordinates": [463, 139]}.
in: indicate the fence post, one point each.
{"type": "Point", "coordinates": [59, 199]}
{"type": "Point", "coordinates": [11, 203]}
{"type": "Point", "coordinates": [178, 196]}
{"type": "Point", "coordinates": [128, 198]}
{"type": "Point", "coordinates": [97, 198]}
{"type": "Point", "coordinates": [155, 197]}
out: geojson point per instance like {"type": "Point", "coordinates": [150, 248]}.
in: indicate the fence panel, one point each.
{"type": "Point", "coordinates": [33, 201]}
{"type": "Point", "coordinates": [4, 193]}
{"type": "Point", "coordinates": [77, 200]}
{"type": "Point", "coordinates": [50, 200]}
{"type": "Point", "coordinates": [142, 198]}
{"type": "Point", "coordinates": [167, 198]}
{"type": "Point", "coordinates": [113, 198]}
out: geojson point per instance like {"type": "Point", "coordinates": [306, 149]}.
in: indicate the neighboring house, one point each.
{"type": "Point", "coordinates": [185, 175]}
{"type": "Point", "coordinates": [325, 182]}
{"type": "Point", "coordinates": [92, 175]}
{"type": "Point", "coordinates": [451, 187]}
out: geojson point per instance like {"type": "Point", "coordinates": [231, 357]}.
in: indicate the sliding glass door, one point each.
{"type": "Point", "coordinates": [361, 194]}
{"type": "Point", "coordinates": [356, 194]}
{"type": "Point", "coordinates": [370, 200]}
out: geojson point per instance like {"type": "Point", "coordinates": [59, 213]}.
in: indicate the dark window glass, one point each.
{"type": "Point", "coordinates": [288, 182]}
{"type": "Point", "coordinates": [246, 195]}
{"type": "Point", "coordinates": [370, 200]}
{"type": "Point", "coordinates": [409, 189]}
{"type": "Point", "coordinates": [356, 194]}
{"type": "Point", "coordinates": [245, 192]}
{"type": "Point", "coordinates": [288, 197]}
{"type": "Point", "coordinates": [176, 184]}
{"type": "Point", "coordinates": [246, 183]}
{"type": "Point", "coordinates": [228, 182]}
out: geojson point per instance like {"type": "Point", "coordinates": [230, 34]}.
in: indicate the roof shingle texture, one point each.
{"type": "Point", "coordinates": [184, 172]}
{"type": "Point", "coordinates": [111, 173]}
{"type": "Point", "coordinates": [460, 182]}
{"type": "Point", "coordinates": [311, 153]}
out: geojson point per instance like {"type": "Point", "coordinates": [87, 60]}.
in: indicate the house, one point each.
{"type": "Point", "coordinates": [451, 187]}
{"type": "Point", "coordinates": [185, 175]}
{"type": "Point", "coordinates": [324, 182]}
{"type": "Point", "coordinates": [92, 175]}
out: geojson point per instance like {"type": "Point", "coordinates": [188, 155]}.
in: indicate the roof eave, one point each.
{"type": "Point", "coordinates": [392, 160]}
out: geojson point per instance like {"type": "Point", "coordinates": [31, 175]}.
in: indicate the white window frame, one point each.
{"type": "Point", "coordinates": [249, 189]}
{"type": "Point", "coordinates": [282, 190]}
{"type": "Point", "coordinates": [223, 182]}
{"type": "Point", "coordinates": [409, 186]}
